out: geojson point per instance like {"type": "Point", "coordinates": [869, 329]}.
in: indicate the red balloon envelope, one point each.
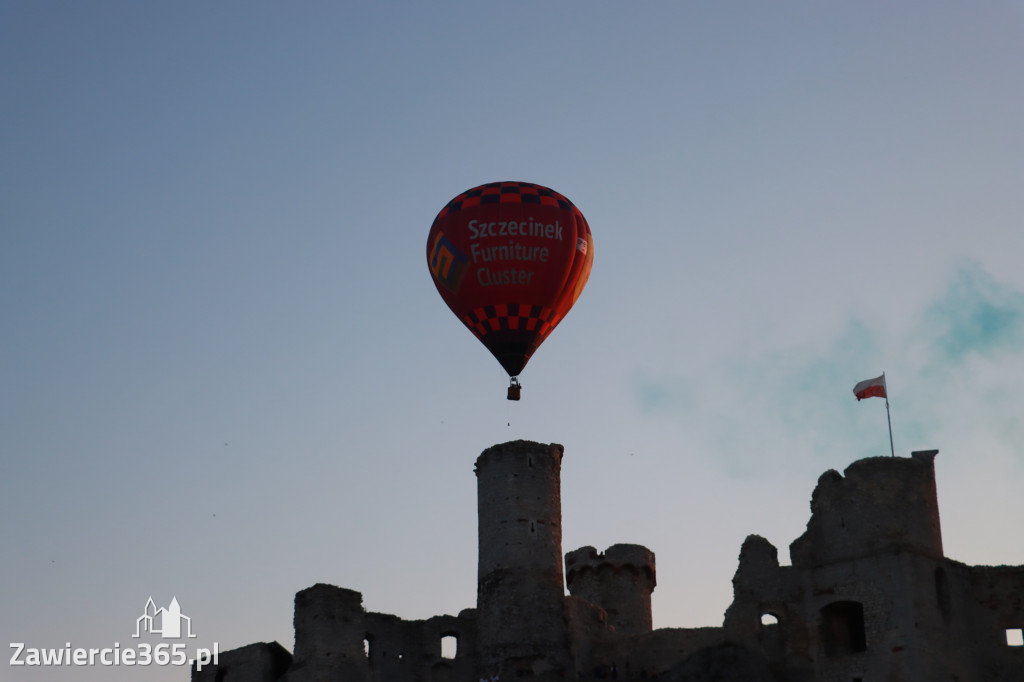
{"type": "Point", "coordinates": [510, 259]}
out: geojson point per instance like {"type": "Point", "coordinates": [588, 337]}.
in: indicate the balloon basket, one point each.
{"type": "Point", "coordinates": [514, 389]}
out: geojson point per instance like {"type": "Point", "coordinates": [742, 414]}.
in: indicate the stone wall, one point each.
{"type": "Point", "coordinates": [620, 580]}
{"type": "Point", "coordinates": [996, 606]}
{"type": "Point", "coordinates": [262, 662]}
{"type": "Point", "coordinates": [869, 596]}
{"type": "Point", "coordinates": [881, 504]}
{"type": "Point", "coordinates": [330, 630]}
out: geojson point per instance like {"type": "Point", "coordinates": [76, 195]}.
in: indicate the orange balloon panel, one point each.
{"type": "Point", "coordinates": [510, 259]}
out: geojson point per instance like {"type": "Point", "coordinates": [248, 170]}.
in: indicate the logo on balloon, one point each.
{"type": "Point", "coordinates": [447, 262]}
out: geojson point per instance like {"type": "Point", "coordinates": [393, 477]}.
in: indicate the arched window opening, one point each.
{"type": "Point", "coordinates": [769, 619]}
{"type": "Point", "coordinates": [368, 647]}
{"type": "Point", "coordinates": [842, 628]}
{"type": "Point", "coordinates": [449, 646]}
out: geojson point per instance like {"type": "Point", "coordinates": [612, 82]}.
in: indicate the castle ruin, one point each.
{"type": "Point", "coordinates": [869, 597]}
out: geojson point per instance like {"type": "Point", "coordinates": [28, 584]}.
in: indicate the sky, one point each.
{"type": "Point", "coordinates": [225, 373]}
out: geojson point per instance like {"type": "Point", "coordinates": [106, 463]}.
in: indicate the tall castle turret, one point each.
{"type": "Point", "coordinates": [620, 580]}
{"type": "Point", "coordinates": [520, 585]}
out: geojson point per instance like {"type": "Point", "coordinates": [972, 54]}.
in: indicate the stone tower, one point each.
{"type": "Point", "coordinates": [329, 634]}
{"type": "Point", "coordinates": [620, 580]}
{"type": "Point", "coordinates": [882, 504]}
{"type": "Point", "coordinates": [520, 586]}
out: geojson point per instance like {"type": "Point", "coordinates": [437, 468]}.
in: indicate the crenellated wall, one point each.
{"type": "Point", "coordinates": [620, 580]}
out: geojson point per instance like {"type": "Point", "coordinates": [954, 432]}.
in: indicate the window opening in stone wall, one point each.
{"type": "Point", "coordinates": [842, 628]}
{"type": "Point", "coordinates": [449, 646]}
{"type": "Point", "coordinates": [769, 619]}
{"type": "Point", "coordinates": [1015, 637]}
{"type": "Point", "coordinates": [366, 646]}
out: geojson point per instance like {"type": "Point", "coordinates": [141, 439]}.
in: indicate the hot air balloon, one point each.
{"type": "Point", "coordinates": [510, 259]}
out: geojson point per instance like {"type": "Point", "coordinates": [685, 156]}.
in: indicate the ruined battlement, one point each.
{"type": "Point", "coordinates": [879, 504]}
{"type": "Point", "coordinates": [329, 634]}
{"type": "Point", "coordinates": [516, 452]}
{"type": "Point", "coordinates": [869, 596]}
{"type": "Point", "coordinates": [616, 558]}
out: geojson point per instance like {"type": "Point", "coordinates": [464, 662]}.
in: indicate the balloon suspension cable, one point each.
{"type": "Point", "coordinates": [514, 388]}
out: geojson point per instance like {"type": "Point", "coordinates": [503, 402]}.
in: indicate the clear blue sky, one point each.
{"type": "Point", "coordinates": [225, 374]}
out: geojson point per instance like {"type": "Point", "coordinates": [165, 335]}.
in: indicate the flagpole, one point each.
{"type": "Point", "coordinates": [888, 416]}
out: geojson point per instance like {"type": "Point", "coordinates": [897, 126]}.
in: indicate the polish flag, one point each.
{"type": "Point", "coordinates": [871, 388]}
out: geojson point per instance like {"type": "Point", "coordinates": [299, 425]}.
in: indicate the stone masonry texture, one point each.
{"type": "Point", "coordinates": [870, 596]}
